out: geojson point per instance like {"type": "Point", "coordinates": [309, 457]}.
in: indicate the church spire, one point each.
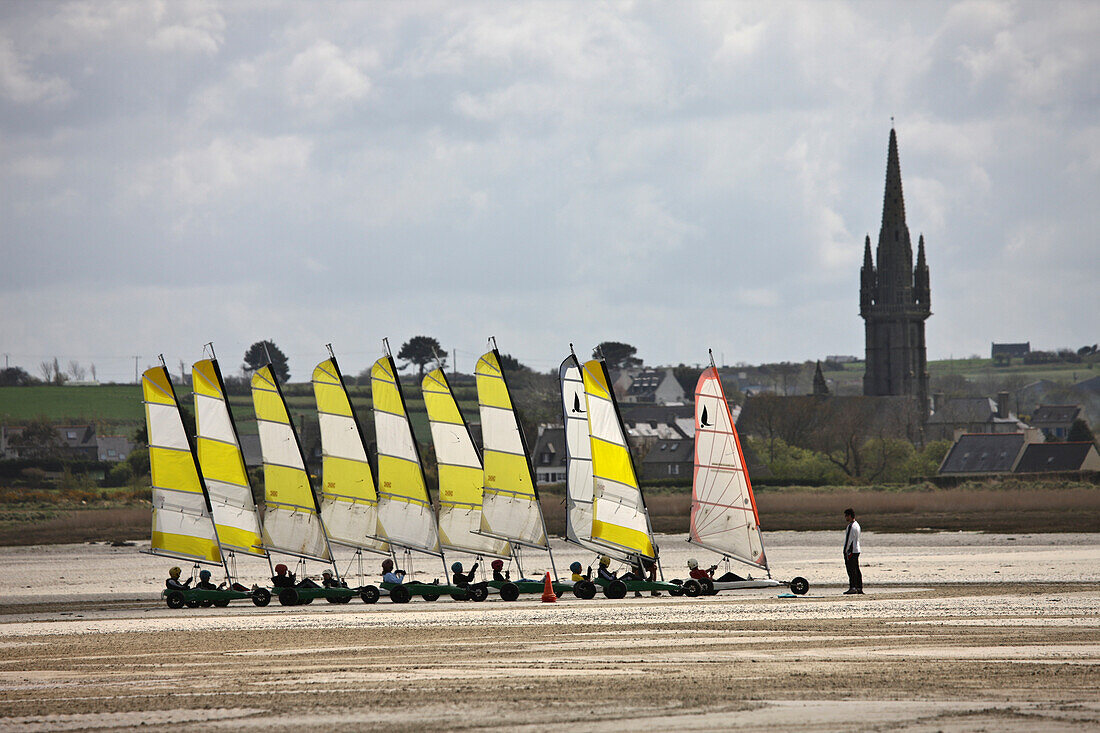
{"type": "Point", "coordinates": [893, 203]}
{"type": "Point", "coordinates": [821, 388]}
{"type": "Point", "coordinates": [866, 278]}
{"type": "Point", "coordinates": [921, 285]}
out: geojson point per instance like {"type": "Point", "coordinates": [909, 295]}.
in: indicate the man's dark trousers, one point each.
{"type": "Point", "coordinates": [855, 577]}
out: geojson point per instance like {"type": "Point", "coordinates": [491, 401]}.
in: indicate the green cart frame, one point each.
{"type": "Point", "coordinates": [619, 588]}
{"type": "Point", "coordinates": [403, 592]}
{"type": "Point", "coordinates": [220, 598]}
{"type": "Point", "coordinates": [510, 590]}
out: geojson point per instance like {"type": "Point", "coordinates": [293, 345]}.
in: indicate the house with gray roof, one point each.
{"type": "Point", "coordinates": [1054, 421]}
{"type": "Point", "coordinates": [1045, 457]}
{"type": "Point", "coordinates": [669, 459]}
{"type": "Point", "coordinates": [983, 453]}
{"type": "Point", "coordinates": [952, 417]}
{"type": "Point", "coordinates": [549, 455]}
{"type": "Point", "coordinates": [648, 386]}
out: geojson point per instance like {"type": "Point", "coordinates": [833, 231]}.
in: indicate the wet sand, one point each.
{"type": "Point", "coordinates": [916, 653]}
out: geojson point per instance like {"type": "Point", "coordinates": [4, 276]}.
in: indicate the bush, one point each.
{"type": "Point", "coordinates": [120, 474]}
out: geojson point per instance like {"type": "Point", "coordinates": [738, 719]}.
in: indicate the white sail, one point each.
{"type": "Point", "coordinates": [349, 501]}
{"type": "Point", "coordinates": [183, 526]}
{"type": "Point", "coordinates": [619, 517]}
{"type": "Point", "coordinates": [222, 463]}
{"type": "Point", "coordinates": [460, 472]}
{"type": "Point", "coordinates": [723, 510]}
{"type": "Point", "coordinates": [292, 521]}
{"type": "Point", "coordinates": [510, 507]}
{"type": "Point", "coordinates": [578, 449]}
{"type": "Point", "coordinates": [405, 514]}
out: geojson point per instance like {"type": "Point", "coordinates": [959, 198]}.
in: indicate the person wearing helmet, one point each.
{"type": "Point", "coordinates": [391, 575]}
{"type": "Point", "coordinates": [328, 580]}
{"type": "Point", "coordinates": [604, 573]}
{"type": "Point", "coordinates": [282, 578]}
{"type": "Point", "coordinates": [575, 568]}
{"type": "Point", "coordinates": [499, 573]}
{"type": "Point", "coordinates": [699, 573]}
{"type": "Point", "coordinates": [461, 579]}
{"type": "Point", "coordinates": [204, 581]}
{"type": "Point", "coordinates": [173, 582]}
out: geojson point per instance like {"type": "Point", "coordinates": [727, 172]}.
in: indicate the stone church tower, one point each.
{"type": "Point", "coordinates": [894, 300]}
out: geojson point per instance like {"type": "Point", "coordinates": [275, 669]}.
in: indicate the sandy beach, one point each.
{"type": "Point", "coordinates": [958, 631]}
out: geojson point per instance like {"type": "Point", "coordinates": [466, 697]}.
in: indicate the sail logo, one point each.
{"type": "Point", "coordinates": [577, 403]}
{"type": "Point", "coordinates": [703, 420]}
{"type": "Point", "coordinates": [490, 478]}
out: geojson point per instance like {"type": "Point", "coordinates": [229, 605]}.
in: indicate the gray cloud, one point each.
{"type": "Point", "coordinates": [678, 177]}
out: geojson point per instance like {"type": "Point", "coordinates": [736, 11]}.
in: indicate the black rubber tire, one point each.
{"type": "Point", "coordinates": [344, 599]}
{"type": "Point", "coordinates": [192, 603]}
{"type": "Point", "coordinates": [429, 597]}
{"type": "Point", "coordinates": [479, 593]}
{"type": "Point", "coordinates": [800, 586]}
{"type": "Point", "coordinates": [369, 594]}
{"type": "Point", "coordinates": [289, 597]}
{"type": "Point", "coordinates": [261, 597]}
{"type": "Point", "coordinates": [692, 589]}
{"type": "Point", "coordinates": [332, 599]}
{"type": "Point", "coordinates": [678, 591]}
{"type": "Point", "coordinates": [222, 603]}
{"type": "Point", "coordinates": [206, 603]}
{"type": "Point", "coordinates": [174, 599]}
{"type": "Point", "coordinates": [584, 589]}
{"type": "Point", "coordinates": [306, 601]}
{"type": "Point", "coordinates": [616, 589]}
{"type": "Point", "coordinates": [509, 592]}
{"type": "Point", "coordinates": [400, 594]}
{"type": "Point", "coordinates": [708, 586]}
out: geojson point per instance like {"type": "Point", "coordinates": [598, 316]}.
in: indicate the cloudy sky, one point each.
{"type": "Point", "coordinates": [675, 175]}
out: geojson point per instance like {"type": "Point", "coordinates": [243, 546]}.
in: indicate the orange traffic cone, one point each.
{"type": "Point", "coordinates": [548, 591]}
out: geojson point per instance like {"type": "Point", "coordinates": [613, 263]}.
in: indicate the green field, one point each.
{"type": "Point", "coordinates": [119, 407]}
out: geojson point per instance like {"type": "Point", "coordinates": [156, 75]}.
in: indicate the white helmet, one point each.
{"type": "Point", "coordinates": [693, 563]}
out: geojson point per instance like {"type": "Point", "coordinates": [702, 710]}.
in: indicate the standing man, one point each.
{"type": "Point", "coordinates": [851, 555]}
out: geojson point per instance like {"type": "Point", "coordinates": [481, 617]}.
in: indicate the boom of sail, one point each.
{"type": "Point", "coordinates": [619, 517]}
{"type": "Point", "coordinates": [292, 518]}
{"type": "Point", "coordinates": [349, 502]}
{"type": "Point", "coordinates": [510, 507]}
{"type": "Point", "coordinates": [405, 515]}
{"type": "Point", "coordinates": [460, 472]}
{"type": "Point", "coordinates": [222, 463]}
{"type": "Point", "coordinates": [183, 525]}
{"type": "Point", "coordinates": [723, 509]}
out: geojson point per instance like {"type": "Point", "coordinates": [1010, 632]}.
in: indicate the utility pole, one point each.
{"type": "Point", "coordinates": [5, 361]}
{"type": "Point", "coordinates": [137, 380]}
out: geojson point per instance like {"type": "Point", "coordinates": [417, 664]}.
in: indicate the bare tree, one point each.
{"type": "Point", "coordinates": [76, 371]}
{"type": "Point", "coordinates": [45, 368]}
{"type": "Point", "coordinates": [94, 377]}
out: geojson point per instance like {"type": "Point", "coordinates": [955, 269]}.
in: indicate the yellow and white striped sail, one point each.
{"type": "Point", "coordinates": [291, 521]}
{"type": "Point", "coordinates": [405, 514]}
{"type": "Point", "coordinates": [349, 502]}
{"type": "Point", "coordinates": [460, 472]}
{"type": "Point", "coordinates": [182, 524]}
{"type": "Point", "coordinates": [578, 450]}
{"type": "Point", "coordinates": [222, 463]}
{"type": "Point", "coordinates": [619, 517]}
{"type": "Point", "coordinates": [509, 506]}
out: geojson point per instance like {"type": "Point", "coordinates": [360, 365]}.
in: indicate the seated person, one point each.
{"type": "Point", "coordinates": [234, 586]}
{"type": "Point", "coordinates": [282, 577]}
{"type": "Point", "coordinates": [498, 566]}
{"type": "Point", "coordinates": [329, 581]}
{"type": "Point", "coordinates": [698, 573]}
{"type": "Point", "coordinates": [461, 579]}
{"type": "Point", "coordinates": [604, 573]}
{"type": "Point", "coordinates": [173, 582]}
{"type": "Point", "coordinates": [390, 575]}
{"type": "Point", "coordinates": [204, 581]}
{"type": "Point", "coordinates": [576, 570]}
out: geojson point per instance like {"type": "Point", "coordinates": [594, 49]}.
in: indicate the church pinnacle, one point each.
{"type": "Point", "coordinates": [894, 298]}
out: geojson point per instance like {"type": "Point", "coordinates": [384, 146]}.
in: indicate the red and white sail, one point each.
{"type": "Point", "coordinates": [723, 510]}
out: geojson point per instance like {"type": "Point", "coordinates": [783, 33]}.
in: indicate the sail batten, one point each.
{"type": "Point", "coordinates": [183, 523]}
{"type": "Point", "coordinates": [292, 519]}
{"type": "Point", "coordinates": [405, 515]}
{"type": "Point", "coordinates": [723, 510]}
{"type": "Point", "coordinates": [222, 463]}
{"type": "Point", "coordinates": [619, 516]}
{"type": "Point", "coordinates": [510, 507]}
